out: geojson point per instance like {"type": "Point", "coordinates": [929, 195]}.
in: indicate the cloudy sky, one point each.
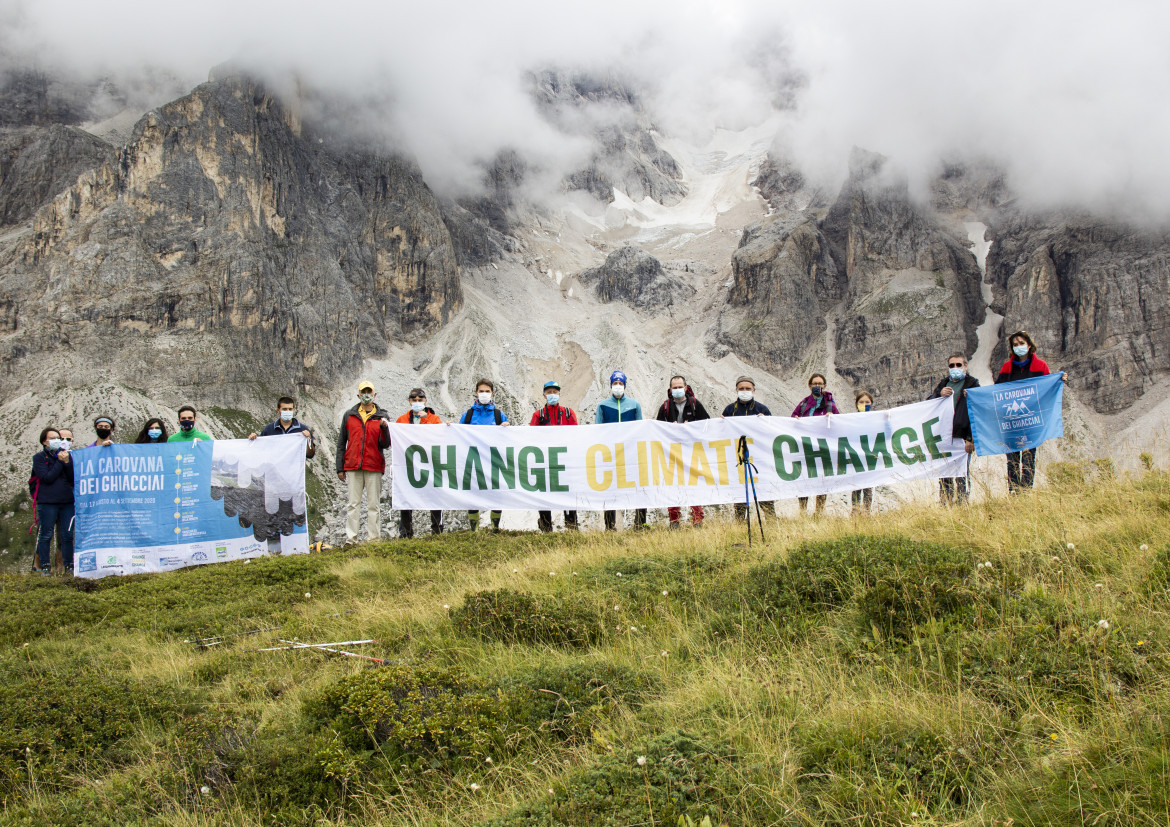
{"type": "Point", "coordinates": [1070, 97]}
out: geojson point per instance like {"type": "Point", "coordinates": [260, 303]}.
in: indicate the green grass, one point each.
{"type": "Point", "coordinates": [924, 666]}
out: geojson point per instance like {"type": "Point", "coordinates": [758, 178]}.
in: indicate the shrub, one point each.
{"type": "Point", "coordinates": [643, 579]}
{"type": "Point", "coordinates": [857, 769]}
{"type": "Point", "coordinates": [568, 702]}
{"type": "Point", "coordinates": [682, 775]}
{"type": "Point", "coordinates": [54, 724]}
{"type": "Point", "coordinates": [893, 582]}
{"type": "Point", "coordinates": [519, 617]}
{"type": "Point", "coordinates": [425, 716]}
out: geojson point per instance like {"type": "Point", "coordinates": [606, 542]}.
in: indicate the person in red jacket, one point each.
{"type": "Point", "coordinates": [365, 435]}
{"type": "Point", "coordinates": [1022, 364]}
{"type": "Point", "coordinates": [554, 413]}
{"type": "Point", "coordinates": [419, 414]}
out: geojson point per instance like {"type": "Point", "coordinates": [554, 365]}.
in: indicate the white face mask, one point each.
{"type": "Point", "coordinates": [745, 396]}
{"type": "Point", "coordinates": [66, 444]}
{"type": "Point", "coordinates": [552, 399]}
{"type": "Point", "coordinates": [484, 397]}
{"type": "Point", "coordinates": [54, 445]}
{"type": "Point", "coordinates": [418, 407]}
{"type": "Point", "coordinates": [678, 393]}
{"type": "Point", "coordinates": [286, 416]}
{"type": "Point", "coordinates": [1020, 350]}
{"type": "Point", "coordinates": [618, 390]}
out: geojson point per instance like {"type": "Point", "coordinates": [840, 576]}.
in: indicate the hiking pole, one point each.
{"type": "Point", "coordinates": [319, 648]}
{"type": "Point", "coordinates": [751, 475]}
{"type": "Point", "coordinates": [741, 451]}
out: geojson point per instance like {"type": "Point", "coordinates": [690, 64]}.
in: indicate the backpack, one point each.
{"type": "Point", "coordinates": [496, 411]}
{"type": "Point", "coordinates": [542, 418]}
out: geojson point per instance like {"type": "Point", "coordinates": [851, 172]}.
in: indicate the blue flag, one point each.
{"type": "Point", "coordinates": [1016, 416]}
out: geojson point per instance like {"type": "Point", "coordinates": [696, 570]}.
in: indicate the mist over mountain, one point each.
{"type": "Point", "coordinates": [196, 212]}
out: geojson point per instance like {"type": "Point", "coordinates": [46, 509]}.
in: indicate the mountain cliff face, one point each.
{"type": "Point", "coordinates": [1093, 294]}
{"type": "Point", "coordinates": [899, 290]}
{"type": "Point", "coordinates": [223, 216]}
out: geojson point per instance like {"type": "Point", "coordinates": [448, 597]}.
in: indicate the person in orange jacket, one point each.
{"type": "Point", "coordinates": [364, 437]}
{"type": "Point", "coordinates": [419, 414]}
{"type": "Point", "coordinates": [554, 413]}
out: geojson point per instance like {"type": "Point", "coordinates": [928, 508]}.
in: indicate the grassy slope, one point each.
{"type": "Point", "coordinates": [760, 691]}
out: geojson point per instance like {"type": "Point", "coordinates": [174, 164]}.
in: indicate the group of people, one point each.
{"type": "Point", "coordinates": [364, 436]}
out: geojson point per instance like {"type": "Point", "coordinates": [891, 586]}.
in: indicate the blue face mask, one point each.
{"type": "Point", "coordinates": [957, 374]}
{"type": "Point", "coordinates": [286, 416]}
{"type": "Point", "coordinates": [154, 433]}
{"type": "Point", "coordinates": [1020, 350]}
{"type": "Point", "coordinates": [552, 399]}
{"type": "Point", "coordinates": [678, 393]}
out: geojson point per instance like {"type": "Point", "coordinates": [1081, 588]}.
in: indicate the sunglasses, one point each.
{"type": "Point", "coordinates": [955, 365]}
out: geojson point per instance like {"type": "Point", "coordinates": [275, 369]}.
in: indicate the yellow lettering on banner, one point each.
{"type": "Point", "coordinates": [643, 466]}
{"type": "Point", "coordinates": [591, 455]}
{"type": "Point", "coordinates": [665, 469]}
{"type": "Point", "coordinates": [619, 460]}
{"type": "Point", "coordinates": [720, 447]}
{"type": "Point", "coordinates": [699, 466]}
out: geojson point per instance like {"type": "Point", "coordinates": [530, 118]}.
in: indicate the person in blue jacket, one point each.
{"type": "Point", "coordinates": [52, 489]}
{"type": "Point", "coordinates": [614, 410]}
{"type": "Point", "coordinates": [484, 412]}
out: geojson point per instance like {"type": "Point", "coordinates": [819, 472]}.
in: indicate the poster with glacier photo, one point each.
{"type": "Point", "coordinates": [154, 508]}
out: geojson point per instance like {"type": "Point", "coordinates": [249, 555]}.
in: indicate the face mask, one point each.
{"type": "Point", "coordinates": [678, 393]}
{"type": "Point", "coordinates": [54, 445]}
{"type": "Point", "coordinates": [745, 396]}
{"type": "Point", "coordinates": [1020, 350]}
{"type": "Point", "coordinates": [617, 390]}
{"type": "Point", "coordinates": [552, 399]}
{"type": "Point", "coordinates": [286, 416]}
{"type": "Point", "coordinates": [186, 424]}
{"type": "Point", "coordinates": [862, 407]}
{"type": "Point", "coordinates": [103, 433]}
{"type": "Point", "coordinates": [817, 390]}
{"type": "Point", "coordinates": [66, 444]}
{"type": "Point", "coordinates": [484, 398]}
{"type": "Point", "coordinates": [154, 433]}
{"type": "Point", "coordinates": [958, 373]}
{"type": "Point", "coordinates": [418, 407]}
{"type": "Point", "coordinates": [367, 398]}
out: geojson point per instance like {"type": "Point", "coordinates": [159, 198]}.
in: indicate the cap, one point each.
{"type": "Point", "coordinates": [746, 379]}
{"type": "Point", "coordinates": [552, 383]}
{"type": "Point", "coordinates": [618, 376]}
{"type": "Point", "coordinates": [417, 392]}
{"type": "Point", "coordinates": [104, 419]}
{"type": "Point", "coordinates": [365, 383]}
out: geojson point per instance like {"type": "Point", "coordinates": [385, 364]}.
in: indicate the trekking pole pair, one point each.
{"type": "Point", "coordinates": [749, 487]}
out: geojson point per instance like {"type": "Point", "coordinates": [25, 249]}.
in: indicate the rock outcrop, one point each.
{"type": "Point", "coordinates": [36, 163]}
{"type": "Point", "coordinates": [901, 291]}
{"type": "Point", "coordinates": [1093, 294]}
{"type": "Point", "coordinates": [633, 276]}
{"type": "Point", "coordinates": [291, 259]}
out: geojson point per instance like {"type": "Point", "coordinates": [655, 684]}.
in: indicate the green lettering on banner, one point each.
{"type": "Point", "coordinates": [555, 469]}
{"type": "Point", "coordinates": [423, 475]}
{"type": "Point", "coordinates": [778, 445]}
{"type": "Point", "coordinates": [909, 456]}
{"type": "Point", "coordinates": [473, 462]}
{"type": "Point", "coordinates": [822, 453]}
{"type": "Point", "coordinates": [878, 449]}
{"type": "Point", "coordinates": [846, 455]}
{"type": "Point", "coordinates": [932, 441]}
{"type": "Point", "coordinates": [531, 479]}
{"type": "Point", "coordinates": [503, 466]}
{"type": "Point", "coordinates": [450, 467]}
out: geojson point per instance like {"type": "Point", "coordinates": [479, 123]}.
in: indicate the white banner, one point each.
{"type": "Point", "coordinates": [652, 464]}
{"type": "Point", "coordinates": [143, 508]}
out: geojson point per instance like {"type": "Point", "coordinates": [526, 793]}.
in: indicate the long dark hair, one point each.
{"type": "Point", "coordinates": [143, 436]}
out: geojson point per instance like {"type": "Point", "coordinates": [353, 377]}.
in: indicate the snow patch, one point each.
{"type": "Point", "coordinates": [987, 334]}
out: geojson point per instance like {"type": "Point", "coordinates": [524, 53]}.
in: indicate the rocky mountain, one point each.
{"type": "Point", "coordinates": [634, 276]}
{"type": "Point", "coordinates": [1094, 294]}
{"type": "Point", "coordinates": [879, 287]}
{"type": "Point", "coordinates": [225, 232]}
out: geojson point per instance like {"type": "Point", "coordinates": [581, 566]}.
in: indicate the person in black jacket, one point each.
{"type": "Point", "coordinates": [52, 489]}
{"type": "Point", "coordinates": [953, 490]}
{"type": "Point", "coordinates": [681, 406]}
{"type": "Point", "coordinates": [746, 404]}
